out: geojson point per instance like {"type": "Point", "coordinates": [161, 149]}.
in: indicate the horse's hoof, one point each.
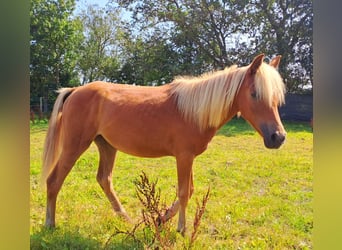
{"type": "Point", "coordinates": [50, 226]}
{"type": "Point", "coordinates": [181, 231]}
{"type": "Point", "coordinates": [125, 216]}
{"type": "Point", "coordinates": [159, 221]}
{"type": "Point", "coordinates": [50, 223]}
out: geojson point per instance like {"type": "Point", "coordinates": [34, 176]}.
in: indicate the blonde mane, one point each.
{"type": "Point", "coordinates": [206, 99]}
{"type": "Point", "coordinates": [269, 85]}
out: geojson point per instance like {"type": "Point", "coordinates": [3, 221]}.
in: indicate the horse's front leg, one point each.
{"type": "Point", "coordinates": [185, 188]}
{"type": "Point", "coordinates": [174, 208]}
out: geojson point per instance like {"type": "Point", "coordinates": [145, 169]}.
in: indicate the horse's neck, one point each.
{"type": "Point", "coordinates": [232, 112]}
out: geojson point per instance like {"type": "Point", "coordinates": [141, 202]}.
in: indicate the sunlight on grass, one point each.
{"type": "Point", "coordinates": [260, 198]}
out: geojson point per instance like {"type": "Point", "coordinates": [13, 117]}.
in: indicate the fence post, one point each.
{"type": "Point", "coordinates": [41, 104]}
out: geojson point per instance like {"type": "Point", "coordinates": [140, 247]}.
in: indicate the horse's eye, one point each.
{"type": "Point", "coordinates": [254, 95]}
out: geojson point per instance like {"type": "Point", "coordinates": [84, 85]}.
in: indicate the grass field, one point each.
{"type": "Point", "coordinates": [259, 199]}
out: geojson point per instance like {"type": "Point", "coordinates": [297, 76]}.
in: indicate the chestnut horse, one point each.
{"type": "Point", "coordinates": [177, 119]}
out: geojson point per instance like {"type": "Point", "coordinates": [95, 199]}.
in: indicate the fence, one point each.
{"type": "Point", "coordinates": [40, 109]}
{"type": "Point", "coordinates": [298, 107]}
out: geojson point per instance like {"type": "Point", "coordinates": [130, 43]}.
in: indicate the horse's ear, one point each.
{"type": "Point", "coordinates": [275, 62]}
{"type": "Point", "coordinates": [257, 61]}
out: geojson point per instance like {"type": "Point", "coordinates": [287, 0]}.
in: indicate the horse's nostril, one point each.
{"type": "Point", "coordinates": [282, 137]}
{"type": "Point", "coordinates": [277, 137]}
{"type": "Point", "coordinates": [274, 137]}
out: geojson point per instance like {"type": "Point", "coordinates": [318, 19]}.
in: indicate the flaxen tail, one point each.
{"type": "Point", "coordinates": [52, 146]}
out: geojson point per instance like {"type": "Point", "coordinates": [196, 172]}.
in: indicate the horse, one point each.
{"type": "Point", "coordinates": [178, 119]}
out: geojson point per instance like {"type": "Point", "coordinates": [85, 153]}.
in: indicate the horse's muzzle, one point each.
{"type": "Point", "coordinates": [272, 138]}
{"type": "Point", "coordinates": [275, 140]}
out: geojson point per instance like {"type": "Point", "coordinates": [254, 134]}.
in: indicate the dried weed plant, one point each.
{"type": "Point", "coordinates": [149, 231]}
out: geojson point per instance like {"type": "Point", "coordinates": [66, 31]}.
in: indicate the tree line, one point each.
{"type": "Point", "coordinates": [150, 42]}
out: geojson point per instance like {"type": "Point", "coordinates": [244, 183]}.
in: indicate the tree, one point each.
{"type": "Point", "coordinates": [286, 28]}
{"type": "Point", "coordinates": [55, 37]}
{"type": "Point", "coordinates": [149, 62]}
{"type": "Point", "coordinates": [214, 34]}
{"type": "Point", "coordinates": [99, 59]}
{"type": "Point", "coordinates": [192, 25]}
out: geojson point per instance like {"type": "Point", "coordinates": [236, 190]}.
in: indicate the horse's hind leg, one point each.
{"type": "Point", "coordinates": [55, 180]}
{"type": "Point", "coordinates": [104, 174]}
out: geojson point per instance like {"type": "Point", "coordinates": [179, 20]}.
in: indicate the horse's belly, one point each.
{"type": "Point", "coordinates": [140, 144]}
{"type": "Point", "coordinates": [143, 150]}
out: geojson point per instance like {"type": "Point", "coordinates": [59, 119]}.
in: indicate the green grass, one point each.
{"type": "Point", "coordinates": [260, 198]}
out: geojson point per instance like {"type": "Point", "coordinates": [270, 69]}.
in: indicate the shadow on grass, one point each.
{"type": "Point", "coordinates": [63, 239]}
{"type": "Point", "coordinates": [239, 126]}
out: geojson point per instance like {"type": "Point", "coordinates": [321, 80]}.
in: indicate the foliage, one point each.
{"type": "Point", "coordinates": [259, 198]}
{"type": "Point", "coordinates": [287, 27]}
{"type": "Point", "coordinates": [147, 62]}
{"type": "Point", "coordinates": [99, 50]}
{"type": "Point", "coordinates": [55, 37]}
{"type": "Point", "coordinates": [195, 25]}
{"type": "Point", "coordinates": [215, 34]}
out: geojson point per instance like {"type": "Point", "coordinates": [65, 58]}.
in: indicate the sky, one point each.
{"type": "Point", "coordinates": [81, 4]}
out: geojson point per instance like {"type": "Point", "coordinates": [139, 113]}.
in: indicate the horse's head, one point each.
{"type": "Point", "coordinates": [261, 92]}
